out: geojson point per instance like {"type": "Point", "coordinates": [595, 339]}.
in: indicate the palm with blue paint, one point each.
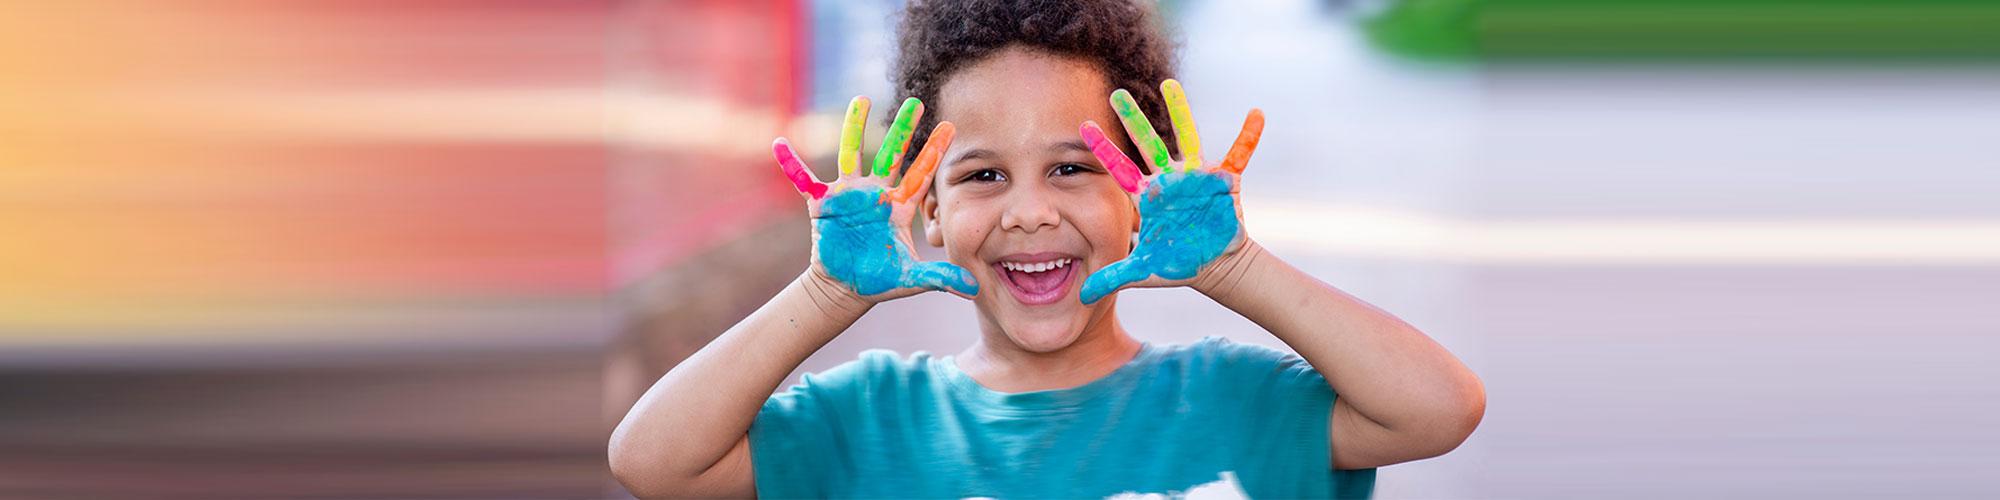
{"type": "Point", "coordinates": [861, 222]}
{"type": "Point", "coordinates": [1189, 214]}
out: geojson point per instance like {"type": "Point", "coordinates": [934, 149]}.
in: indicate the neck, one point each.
{"type": "Point", "coordinates": [1000, 365]}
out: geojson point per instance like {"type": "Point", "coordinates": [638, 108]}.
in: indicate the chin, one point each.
{"type": "Point", "coordinates": [1050, 329]}
{"type": "Point", "coordinates": [1046, 337]}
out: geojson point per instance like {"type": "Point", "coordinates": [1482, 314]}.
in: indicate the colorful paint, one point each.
{"type": "Point", "coordinates": [1141, 130]}
{"type": "Point", "coordinates": [795, 169]}
{"type": "Point", "coordinates": [854, 231]}
{"type": "Point", "coordinates": [1183, 120]}
{"type": "Point", "coordinates": [918, 178]}
{"type": "Point", "coordinates": [1187, 219]}
{"type": "Point", "coordinates": [1121, 168]}
{"type": "Point", "coordinates": [1246, 143]}
{"type": "Point", "coordinates": [897, 141]}
{"type": "Point", "coordinates": [850, 135]}
{"type": "Point", "coordinates": [856, 243]}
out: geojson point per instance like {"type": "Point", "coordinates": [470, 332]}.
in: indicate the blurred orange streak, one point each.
{"type": "Point", "coordinates": [163, 155]}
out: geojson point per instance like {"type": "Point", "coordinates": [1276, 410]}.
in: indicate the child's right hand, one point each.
{"type": "Point", "coordinates": [861, 223]}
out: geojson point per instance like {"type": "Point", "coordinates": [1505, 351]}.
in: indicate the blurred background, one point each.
{"type": "Point", "coordinates": [435, 248]}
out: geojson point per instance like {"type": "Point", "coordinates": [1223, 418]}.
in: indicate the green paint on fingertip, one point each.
{"type": "Point", "coordinates": [1141, 129]}
{"type": "Point", "coordinates": [897, 141]}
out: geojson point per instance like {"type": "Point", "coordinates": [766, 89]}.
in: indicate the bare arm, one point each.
{"type": "Point", "coordinates": [1403, 397]}
{"type": "Point", "coordinates": [688, 435]}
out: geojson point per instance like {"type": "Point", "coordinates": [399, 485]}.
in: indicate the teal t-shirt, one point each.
{"type": "Point", "coordinates": [1214, 414]}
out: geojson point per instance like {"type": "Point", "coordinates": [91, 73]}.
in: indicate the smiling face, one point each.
{"type": "Point", "coordinates": [1021, 202]}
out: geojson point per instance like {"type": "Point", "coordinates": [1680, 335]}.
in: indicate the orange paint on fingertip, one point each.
{"type": "Point", "coordinates": [919, 175]}
{"type": "Point", "coordinates": [1246, 143]}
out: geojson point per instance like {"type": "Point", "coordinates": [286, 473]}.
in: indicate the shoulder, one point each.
{"type": "Point", "coordinates": [1222, 360]}
{"type": "Point", "coordinates": [874, 371]}
{"type": "Point", "coordinates": [1219, 352]}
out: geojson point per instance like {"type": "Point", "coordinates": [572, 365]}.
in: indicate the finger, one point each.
{"type": "Point", "coordinates": [898, 139]}
{"type": "Point", "coordinates": [940, 276]}
{"type": "Point", "coordinates": [917, 180]}
{"type": "Point", "coordinates": [1112, 278]}
{"type": "Point", "coordinates": [1183, 120]}
{"type": "Point", "coordinates": [1246, 143]}
{"type": "Point", "coordinates": [850, 135]}
{"type": "Point", "coordinates": [795, 169]}
{"type": "Point", "coordinates": [1107, 152]}
{"type": "Point", "coordinates": [1148, 141]}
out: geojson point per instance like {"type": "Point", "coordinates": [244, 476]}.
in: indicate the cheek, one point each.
{"type": "Point", "coordinates": [965, 226]}
{"type": "Point", "coordinates": [1105, 219]}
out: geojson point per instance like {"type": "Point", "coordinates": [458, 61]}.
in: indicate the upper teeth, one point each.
{"type": "Point", "coordinates": [1035, 267]}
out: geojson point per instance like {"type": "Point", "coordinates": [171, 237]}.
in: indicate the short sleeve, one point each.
{"type": "Point", "coordinates": [1285, 407]}
{"type": "Point", "coordinates": [797, 437]}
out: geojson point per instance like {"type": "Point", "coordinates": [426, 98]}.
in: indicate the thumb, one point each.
{"type": "Point", "coordinates": [1113, 277]}
{"type": "Point", "coordinates": [940, 276]}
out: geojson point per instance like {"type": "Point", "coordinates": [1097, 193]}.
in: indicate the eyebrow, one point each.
{"type": "Point", "coordinates": [1068, 146]}
{"type": "Point", "coordinates": [972, 155]}
{"type": "Point", "coordinates": [983, 153]}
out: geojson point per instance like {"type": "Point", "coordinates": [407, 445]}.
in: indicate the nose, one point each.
{"type": "Point", "coordinates": [1029, 209]}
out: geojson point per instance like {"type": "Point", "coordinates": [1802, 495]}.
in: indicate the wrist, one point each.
{"type": "Point", "coordinates": [1226, 275]}
{"type": "Point", "coordinates": [835, 300]}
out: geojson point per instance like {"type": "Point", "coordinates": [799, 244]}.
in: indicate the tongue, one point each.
{"type": "Point", "coordinates": [1041, 282]}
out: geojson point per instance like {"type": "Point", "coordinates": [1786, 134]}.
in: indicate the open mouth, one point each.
{"type": "Point", "coordinates": [1037, 279]}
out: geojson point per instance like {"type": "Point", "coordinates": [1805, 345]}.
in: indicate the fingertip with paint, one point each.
{"type": "Point", "coordinates": [966, 283]}
{"type": "Point", "coordinates": [1238, 158]}
{"type": "Point", "coordinates": [1105, 281]}
{"type": "Point", "coordinates": [1183, 120]}
{"type": "Point", "coordinates": [897, 140]}
{"type": "Point", "coordinates": [918, 176]}
{"type": "Point", "coordinates": [851, 133]}
{"type": "Point", "coordinates": [941, 276]}
{"type": "Point", "coordinates": [1144, 137]}
{"type": "Point", "coordinates": [1092, 291]}
{"type": "Point", "coordinates": [1122, 169]}
{"type": "Point", "coordinates": [795, 169]}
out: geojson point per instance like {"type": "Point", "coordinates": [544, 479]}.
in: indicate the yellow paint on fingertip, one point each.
{"type": "Point", "coordinates": [851, 134]}
{"type": "Point", "coordinates": [1183, 120]}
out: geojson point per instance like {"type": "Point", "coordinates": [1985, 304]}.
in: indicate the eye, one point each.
{"type": "Point", "coordinates": [985, 175]}
{"type": "Point", "coordinates": [1068, 169]}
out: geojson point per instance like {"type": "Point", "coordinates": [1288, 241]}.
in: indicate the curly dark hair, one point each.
{"type": "Point", "coordinates": [1124, 38]}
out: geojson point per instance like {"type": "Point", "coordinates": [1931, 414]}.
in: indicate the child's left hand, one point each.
{"type": "Point", "coordinates": [1189, 213]}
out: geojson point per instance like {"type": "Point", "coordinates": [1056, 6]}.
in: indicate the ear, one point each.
{"type": "Point", "coordinates": [933, 233]}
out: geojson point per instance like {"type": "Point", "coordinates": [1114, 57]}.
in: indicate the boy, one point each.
{"type": "Point", "coordinates": [1036, 207]}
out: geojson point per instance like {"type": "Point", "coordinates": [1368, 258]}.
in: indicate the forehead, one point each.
{"type": "Point", "coordinates": [1023, 99]}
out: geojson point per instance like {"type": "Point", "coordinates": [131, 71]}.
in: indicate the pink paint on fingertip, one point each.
{"type": "Point", "coordinates": [795, 169]}
{"type": "Point", "coordinates": [1107, 152]}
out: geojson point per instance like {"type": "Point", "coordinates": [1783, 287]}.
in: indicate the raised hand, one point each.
{"type": "Point", "coordinates": [861, 222]}
{"type": "Point", "coordinates": [1189, 214]}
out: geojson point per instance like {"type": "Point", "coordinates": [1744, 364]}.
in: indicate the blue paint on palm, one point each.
{"type": "Point", "coordinates": [1186, 220]}
{"type": "Point", "coordinates": [858, 246]}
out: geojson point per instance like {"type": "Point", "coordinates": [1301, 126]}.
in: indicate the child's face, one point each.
{"type": "Point", "coordinates": [1018, 188]}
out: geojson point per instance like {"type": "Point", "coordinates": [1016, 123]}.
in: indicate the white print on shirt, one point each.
{"type": "Point", "coordinates": [1225, 488]}
{"type": "Point", "coordinates": [1222, 489]}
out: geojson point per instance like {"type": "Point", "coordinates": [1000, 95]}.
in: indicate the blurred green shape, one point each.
{"type": "Point", "coordinates": [1700, 29]}
{"type": "Point", "coordinates": [1431, 29]}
